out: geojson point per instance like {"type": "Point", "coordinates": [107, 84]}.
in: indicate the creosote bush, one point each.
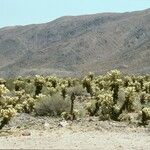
{"type": "Point", "coordinates": [51, 105]}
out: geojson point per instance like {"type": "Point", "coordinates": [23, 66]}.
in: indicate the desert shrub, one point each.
{"type": "Point", "coordinates": [77, 90]}
{"type": "Point", "coordinates": [10, 84]}
{"type": "Point", "coordinates": [52, 106]}
{"type": "Point", "coordinates": [30, 88]}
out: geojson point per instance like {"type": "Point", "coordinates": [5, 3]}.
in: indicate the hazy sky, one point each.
{"type": "Point", "coordinates": [21, 12]}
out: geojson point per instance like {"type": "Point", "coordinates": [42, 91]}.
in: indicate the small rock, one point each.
{"type": "Point", "coordinates": [87, 95]}
{"type": "Point", "coordinates": [18, 127]}
{"type": "Point", "coordinates": [26, 133]}
{"type": "Point", "coordinates": [90, 120]}
{"type": "Point", "coordinates": [46, 125]}
{"type": "Point", "coordinates": [63, 123]}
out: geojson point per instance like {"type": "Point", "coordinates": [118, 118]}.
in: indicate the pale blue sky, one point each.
{"type": "Point", "coordinates": [21, 12]}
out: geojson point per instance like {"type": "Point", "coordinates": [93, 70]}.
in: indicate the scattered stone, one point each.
{"type": "Point", "coordinates": [63, 124]}
{"type": "Point", "coordinates": [90, 120]}
{"type": "Point", "coordinates": [46, 125]}
{"type": "Point", "coordinates": [26, 133]}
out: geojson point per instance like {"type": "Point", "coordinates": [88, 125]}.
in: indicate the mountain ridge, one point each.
{"type": "Point", "coordinates": [78, 44]}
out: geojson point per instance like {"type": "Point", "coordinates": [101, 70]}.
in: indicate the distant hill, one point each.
{"type": "Point", "coordinates": [74, 45]}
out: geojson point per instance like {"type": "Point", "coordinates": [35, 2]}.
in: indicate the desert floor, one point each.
{"type": "Point", "coordinates": [26, 132]}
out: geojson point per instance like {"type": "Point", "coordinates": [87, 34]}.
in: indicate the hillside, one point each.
{"type": "Point", "coordinates": [74, 45]}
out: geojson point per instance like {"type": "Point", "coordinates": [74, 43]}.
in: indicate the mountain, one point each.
{"type": "Point", "coordinates": [75, 45]}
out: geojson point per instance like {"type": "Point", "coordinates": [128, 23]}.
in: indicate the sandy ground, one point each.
{"type": "Point", "coordinates": [26, 132]}
{"type": "Point", "coordinates": [67, 139]}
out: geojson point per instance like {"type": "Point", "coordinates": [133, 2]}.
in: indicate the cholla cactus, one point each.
{"type": "Point", "coordinates": [109, 96]}
{"type": "Point", "coordinates": [52, 91]}
{"type": "Point", "coordinates": [53, 80]}
{"type": "Point", "coordinates": [92, 107]}
{"type": "Point", "coordinates": [144, 97]}
{"type": "Point", "coordinates": [87, 85]}
{"type": "Point", "coordinates": [115, 87]}
{"type": "Point", "coordinates": [19, 108]}
{"type": "Point", "coordinates": [106, 104]}
{"type": "Point", "coordinates": [137, 86]}
{"type": "Point", "coordinates": [2, 81]}
{"type": "Point", "coordinates": [104, 85]}
{"type": "Point", "coordinates": [3, 90]}
{"type": "Point", "coordinates": [130, 98]}
{"type": "Point", "coordinates": [91, 75]}
{"type": "Point", "coordinates": [6, 114]}
{"type": "Point", "coordinates": [127, 80]}
{"type": "Point", "coordinates": [28, 105]}
{"type": "Point", "coordinates": [19, 84]}
{"type": "Point", "coordinates": [11, 100]}
{"type": "Point", "coordinates": [40, 96]}
{"type": "Point", "coordinates": [147, 87]}
{"type": "Point", "coordinates": [140, 79]}
{"type": "Point", "coordinates": [113, 75]}
{"type": "Point", "coordinates": [38, 82]}
{"type": "Point", "coordinates": [66, 115]}
{"type": "Point", "coordinates": [145, 115]}
{"type": "Point", "coordinates": [63, 91]}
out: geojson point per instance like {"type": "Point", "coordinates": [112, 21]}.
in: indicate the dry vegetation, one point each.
{"type": "Point", "coordinates": [112, 96]}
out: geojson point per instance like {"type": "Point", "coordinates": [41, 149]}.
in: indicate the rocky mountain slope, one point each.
{"type": "Point", "coordinates": [74, 45]}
